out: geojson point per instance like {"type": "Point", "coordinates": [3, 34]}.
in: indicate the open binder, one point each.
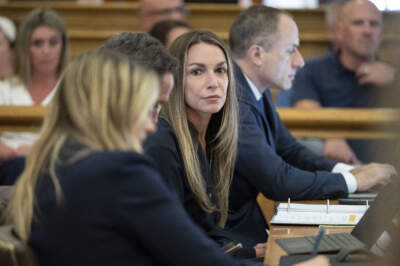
{"type": "Point", "coordinates": [315, 214]}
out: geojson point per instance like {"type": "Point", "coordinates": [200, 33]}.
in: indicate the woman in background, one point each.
{"type": "Point", "coordinates": [42, 53]}
{"type": "Point", "coordinates": [7, 41]}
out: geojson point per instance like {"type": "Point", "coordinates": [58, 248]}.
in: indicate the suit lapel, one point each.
{"type": "Point", "coordinates": [246, 95]}
{"type": "Point", "coordinates": [269, 116]}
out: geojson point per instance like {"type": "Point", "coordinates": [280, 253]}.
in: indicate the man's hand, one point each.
{"type": "Point", "coordinates": [317, 261]}
{"type": "Point", "coordinates": [376, 73]}
{"type": "Point", "coordinates": [260, 249]}
{"type": "Point", "coordinates": [373, 174]}
{"type": "Point", "coordinates": [339, 150]}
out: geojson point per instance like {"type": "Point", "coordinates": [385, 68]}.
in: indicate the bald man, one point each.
{"type": "Point", "coordinates": [348, 77]}
{"type": "Point", "coordinates": [153, 11]}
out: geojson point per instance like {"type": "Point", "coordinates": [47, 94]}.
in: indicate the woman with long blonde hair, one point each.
{"type": "Point", "coordinates": [87, 195]}
{"type": "Point", "coordinates": [195, 145]}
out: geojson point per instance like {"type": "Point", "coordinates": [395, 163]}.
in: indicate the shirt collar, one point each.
{"type": "Point", "coordinates": [253, 88]}
{"type": "Point", "coordinates": [335, 57]}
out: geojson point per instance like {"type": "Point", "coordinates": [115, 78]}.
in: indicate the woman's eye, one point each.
{"type": "Point", "coordinates": [54, 42]}
{"type": "Point", "coordinates": [195, 72]}
{"type": "Point", "coordinates": [221, 70]}
{"type": "Point", "coordinates": [37, 43]}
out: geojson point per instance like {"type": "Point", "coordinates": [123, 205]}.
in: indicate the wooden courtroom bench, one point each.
{"type": "Point", "coordinates": [21, 118]}
{"type": "Point", "coordinates": [90, 24]}
{"type": "Point", "coordinates": [321, 123]}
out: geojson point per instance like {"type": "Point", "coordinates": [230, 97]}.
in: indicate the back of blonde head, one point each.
{"type": "Point", "coordinates": [99, 98]}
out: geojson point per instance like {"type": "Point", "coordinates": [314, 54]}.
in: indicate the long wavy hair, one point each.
{"type": "Point", "coordinates": [224, 127]}
{"type": "Point", "coordinates": [100, 97]}
{"type": "Point", "coordinates": [36, 18]}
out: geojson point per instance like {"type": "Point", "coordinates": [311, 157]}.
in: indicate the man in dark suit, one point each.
{"type": "Point", "coordinates": [264, 45]}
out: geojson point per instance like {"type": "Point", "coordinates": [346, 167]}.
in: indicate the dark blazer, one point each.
{"type": "Point", "coordinates": [116, 210]}
{"type": "Point", "coordinates": [270, 161]}
{"type": "Point", "coordinates": [164, 148]}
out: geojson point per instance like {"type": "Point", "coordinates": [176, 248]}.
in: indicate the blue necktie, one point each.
{"type": "Point", "coordinates": [261, 105]}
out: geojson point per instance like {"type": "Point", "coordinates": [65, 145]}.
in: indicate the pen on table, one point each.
{"type": "Point", "coordinates": [327, 206]}
{"type": "Point", "coordinates": [327, 226]}
{"type": "Point", "coordinates": [318, 241]}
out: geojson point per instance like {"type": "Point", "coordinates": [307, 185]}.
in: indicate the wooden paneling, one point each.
{"type": "Point", "coordinates": [21, 118]}
{"type": "Point", "coordinates": [323, 123]}
{"type": "Point", "coordinates": [347, 123]}
{"type": "Point", "coordinates": [90, 24]}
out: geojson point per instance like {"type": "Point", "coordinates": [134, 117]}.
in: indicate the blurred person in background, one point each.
{"type": "Point", "coordinates": [42, 54]}
{"type": "Point", "coordinates": [7, 42]}
{"type": "Point", "coordinates": [153, 11]}
{"type": "Point", "coordinates": [167, 31]}
{"type": "Point", "coordinates": [348, 76]}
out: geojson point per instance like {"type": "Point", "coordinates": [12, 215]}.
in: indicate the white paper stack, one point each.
{"type": "Point", "coordinates": [315, 214]}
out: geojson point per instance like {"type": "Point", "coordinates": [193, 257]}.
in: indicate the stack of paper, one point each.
{"type": "Point", "coordinates": [314, 214]}
{"type": "Point", "coordinates": [364, 195]}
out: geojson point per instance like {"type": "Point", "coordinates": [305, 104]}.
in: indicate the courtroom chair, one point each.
{"type": "Point", "coordinates": [267, 207]}
{"type": "Point", "coordinates": [14, 252]}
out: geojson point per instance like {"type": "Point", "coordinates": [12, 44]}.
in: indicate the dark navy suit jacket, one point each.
{"type": "Point", "coordinates": [116, 210]}
{"type": "Point", "coordinates": [270, 161]}
{"type": "Point", "coordinates": [164, 148]}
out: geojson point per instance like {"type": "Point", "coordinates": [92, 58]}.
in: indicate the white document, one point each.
{"type": "Point", "coordinates": [365, 195]}
{"type": "Point", "coordinates": [311, 214]}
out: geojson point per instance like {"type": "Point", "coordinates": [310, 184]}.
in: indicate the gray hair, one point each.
{"type": "Point", "coordinates": [332, 11]}
{"type": "Point", "coordinates": [255, 25]}
{"type": "Point", "coordinates": [144, 50]}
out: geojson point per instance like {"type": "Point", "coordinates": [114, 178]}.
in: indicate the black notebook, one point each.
{"type": "Point", "coordinates": [329, 243]}
{"type": "Point", "coordinates": [351, 261]}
